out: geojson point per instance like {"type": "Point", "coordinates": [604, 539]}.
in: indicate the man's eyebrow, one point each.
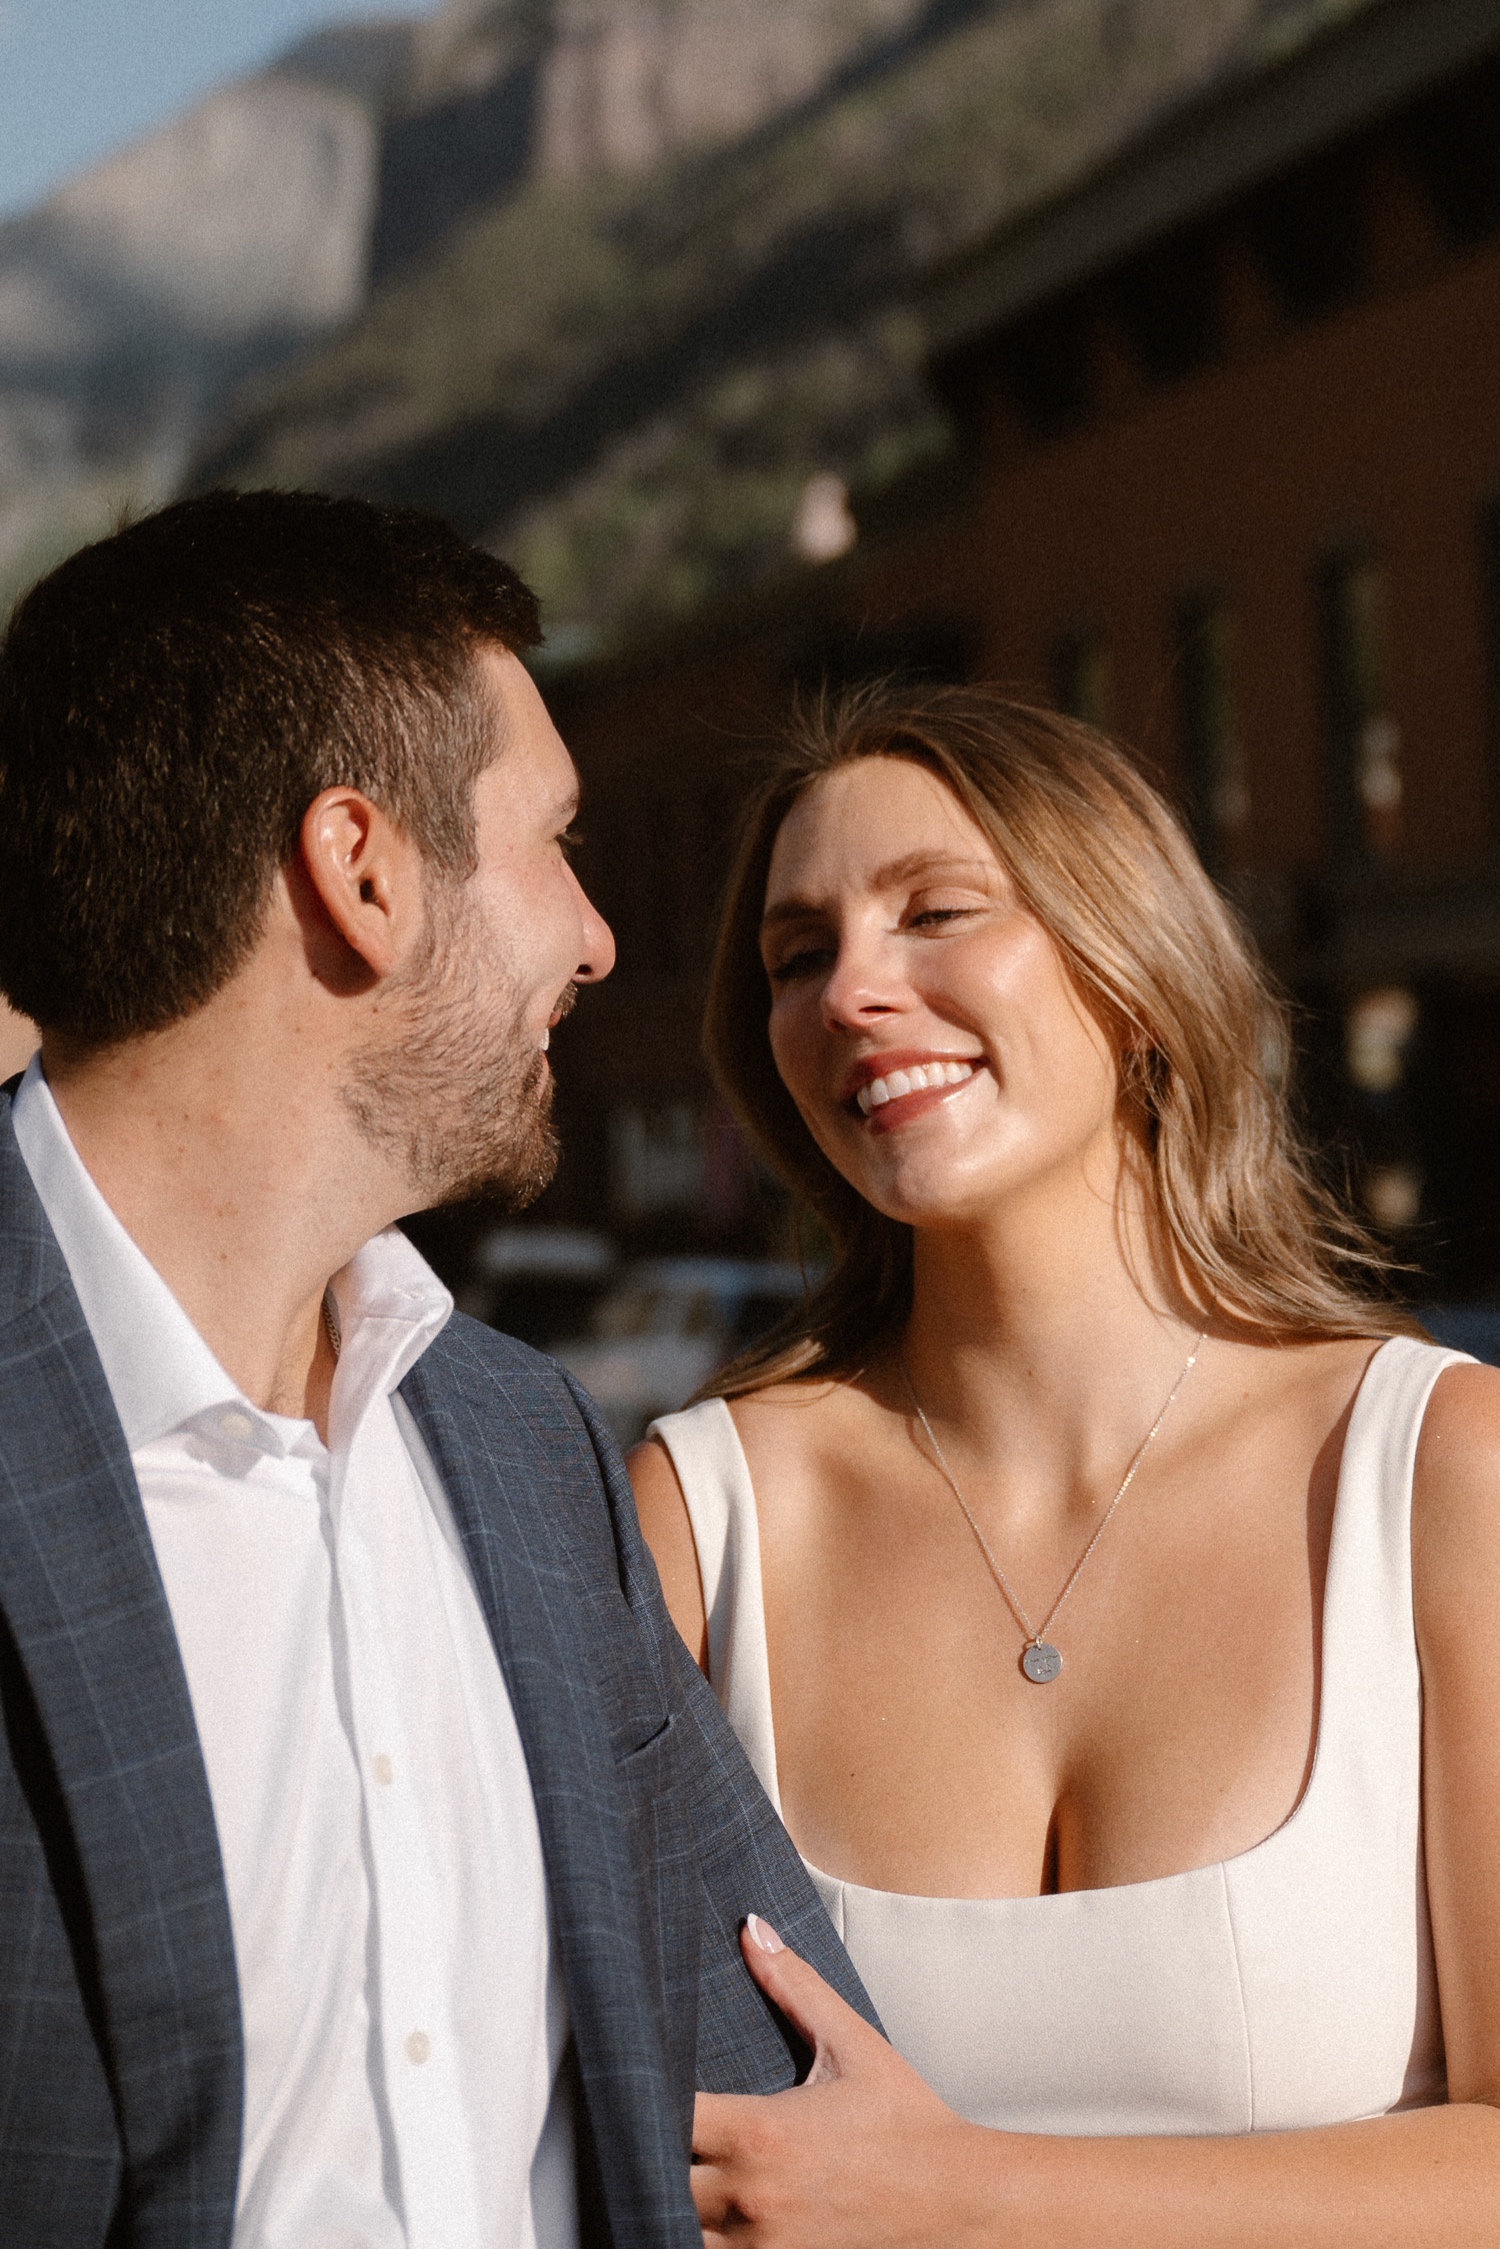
{"type": "Point", "coordinates": [894, 870]}
{"type": "Point", "coordinates": [565, 811]}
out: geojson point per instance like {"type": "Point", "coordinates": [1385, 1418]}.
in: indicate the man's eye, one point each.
{"type": "Point", "coordinates": [570, 840]}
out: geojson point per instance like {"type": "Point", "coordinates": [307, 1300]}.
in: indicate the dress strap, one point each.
{"type": "Point", "coordinates": [1369, 1645]}
{"type": "Point", "coordinates": [706, 1452]}
{"type": "Point", "coordinates": [1329, 1915]}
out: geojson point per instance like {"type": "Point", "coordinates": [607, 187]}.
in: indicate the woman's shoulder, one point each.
{"type": "Point", "coordinates": [1455, 1522]}
{"type": "Point", "coordinates": [1317, 1382]}
{"type": "Point", "coordinates": [801, 1428]}
{"type": "Point", "coordinates": [1458, 1452]}
{"type": "Point", "coordinates": [712, 1462]}
{"type": "Point", "coordinates": [666, 1526]}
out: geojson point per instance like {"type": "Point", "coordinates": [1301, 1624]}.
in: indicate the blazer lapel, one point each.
{"type": "Point", "coordinates": [509, 1475]}
{"type": "Point", "coordinates": [84, 1605]}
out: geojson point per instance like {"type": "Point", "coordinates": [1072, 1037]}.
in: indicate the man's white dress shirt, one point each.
{"type": "Point", "coordinates": [403, 2012]}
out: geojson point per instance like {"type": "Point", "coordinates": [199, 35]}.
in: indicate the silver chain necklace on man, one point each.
{"type": "Point", "coordinates": [1040, 1661]}
{"type": "Point", "coordinates": [333, 1328]}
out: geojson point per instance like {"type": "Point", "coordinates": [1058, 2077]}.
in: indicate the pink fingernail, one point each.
{"type": "Point", "coordinates": [762, 1935]}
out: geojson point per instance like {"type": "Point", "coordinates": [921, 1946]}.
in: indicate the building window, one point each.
{"type": "Point", "coordinates": [1489, 548]}
{"type": "Point", "coordinates": [1364, 736]}
{"type": "Point", "coordinates": [1213, 756]}
{"type": "Point", "coordinates": [1044, 364]}
{"type": "Point", "coordinates": [1452, 142]}
{"type": "Point", "coordinates": [1310, 227]}
{"type": "Point", "coordinates": [1080, 676]}
{"type": "Point", "coordinates": [1378, 1032]}
{"type": "Point", "coordinates": [1167, 300]}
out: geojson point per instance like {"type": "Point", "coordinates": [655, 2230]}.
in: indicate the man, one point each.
{"type": "Point", "coordinates": [371, 1857]}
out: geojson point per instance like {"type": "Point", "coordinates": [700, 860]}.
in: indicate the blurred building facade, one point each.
{"type": "Point", "coordinates": [1228, 483]}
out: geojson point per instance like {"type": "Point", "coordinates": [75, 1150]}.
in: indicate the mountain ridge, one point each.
{"type": "Point", "coordinates": [599, 279]}
{"type": "Point", "coordinates": [250, 227]}
{"type": "Point", "coordinates": [626, 384]}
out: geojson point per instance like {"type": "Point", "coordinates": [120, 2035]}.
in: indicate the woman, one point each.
{"type": "Point", "coordinates": [1100, 1571]}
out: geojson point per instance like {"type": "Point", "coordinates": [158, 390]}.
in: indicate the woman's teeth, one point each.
{"type": "Point", "coordinates": [918, 1079]}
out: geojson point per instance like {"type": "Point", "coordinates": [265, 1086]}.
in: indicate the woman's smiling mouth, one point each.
{"type": "Point", "coordinates": [888, 1086]}
{"type": "Point", "coordinates": [918, 1079]}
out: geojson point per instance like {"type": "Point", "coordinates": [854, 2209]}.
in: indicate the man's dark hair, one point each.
{"type": "Point", "coordinates": [174, 697]}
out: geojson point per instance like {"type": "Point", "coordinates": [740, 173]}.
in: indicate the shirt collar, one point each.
{"type": "Point", "coordinates": [160, 1372]}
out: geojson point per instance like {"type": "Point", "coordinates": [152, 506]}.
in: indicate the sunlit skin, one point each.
{"type": "Point", "coordinates": [851, 934]}
{"type": "Point", "coordinates": [912, 1754]}
{"type": "Point", "coordinates": [222, 1143]}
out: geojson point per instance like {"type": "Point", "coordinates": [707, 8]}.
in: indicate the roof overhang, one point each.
{"type": "Point", "coordinates": [1225, 142]}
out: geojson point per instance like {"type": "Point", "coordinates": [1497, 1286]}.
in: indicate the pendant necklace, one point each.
{"type": "Point", "coordinates": [1040, 1661]}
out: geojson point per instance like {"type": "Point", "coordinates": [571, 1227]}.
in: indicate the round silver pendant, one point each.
{"type": "Point", "coordinates": [1041, 1663]}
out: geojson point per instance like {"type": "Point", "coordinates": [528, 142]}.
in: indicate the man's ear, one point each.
{"type": "Point", "coordinates": [365, 875]}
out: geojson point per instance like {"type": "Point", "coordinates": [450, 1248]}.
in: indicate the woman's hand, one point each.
{"type": "Point", "coordinates": [865, 2156]}
{"type": "Point", "coordinates": [862, 2156]}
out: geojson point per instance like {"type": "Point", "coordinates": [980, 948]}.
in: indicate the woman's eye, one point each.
{"type": "Point", "coordinates": [933, 917]}
{"type": "Point", "coordinates": [569, 841]}
{"type": "Point", "coordinates": [803, 963]}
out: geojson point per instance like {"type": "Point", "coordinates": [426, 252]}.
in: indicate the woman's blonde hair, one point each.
{"type": "Point", "coordinates": [1245, 1231]}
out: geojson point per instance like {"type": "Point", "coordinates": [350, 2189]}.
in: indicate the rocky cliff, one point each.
{"type": "Point", "coordinates": [607, 280]}
{"type": "Point", "coordinates": [627, 379]}
{"type": "Point", "coordinates": [134, 300]}
{"type": "Point", "coordinates": [135, 297]}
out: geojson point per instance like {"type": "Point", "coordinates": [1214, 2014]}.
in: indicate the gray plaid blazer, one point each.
{"type": "Point", "coordinates": [121, 2071]}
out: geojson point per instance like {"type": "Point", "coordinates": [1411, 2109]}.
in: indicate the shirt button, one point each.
{"type": "Point", "coordinates": [418, 2047]}
{"type": "Point", "coordinates": [385, 1771]}
{"type": "Point", "coordinates": [235, 1424]}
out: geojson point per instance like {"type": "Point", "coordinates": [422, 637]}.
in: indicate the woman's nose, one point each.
{"type": "Point", "coordinates": [859, 988]}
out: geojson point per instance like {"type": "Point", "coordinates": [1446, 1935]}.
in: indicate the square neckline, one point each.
{"type": "Point", "coordinates": [1208, 1867]}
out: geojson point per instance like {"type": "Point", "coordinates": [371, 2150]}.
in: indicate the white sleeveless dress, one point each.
{"type": "Point", "coordinates": [1290, 1986]}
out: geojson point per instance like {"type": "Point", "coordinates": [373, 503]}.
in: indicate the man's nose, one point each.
{"type": "Point", "coordinates": [598, 943]}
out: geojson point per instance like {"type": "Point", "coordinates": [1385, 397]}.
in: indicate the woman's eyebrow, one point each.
{"type": "Point", "coordinates": [894, 871]}
{"type": "Point", "coordinates": [789, 909]}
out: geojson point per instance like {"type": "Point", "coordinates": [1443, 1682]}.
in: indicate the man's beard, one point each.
{"type": "Point", "coordinates": [464, 1097]}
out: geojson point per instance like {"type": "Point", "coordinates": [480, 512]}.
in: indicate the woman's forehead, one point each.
{"type": "Point", "coordinates": [864, 817]}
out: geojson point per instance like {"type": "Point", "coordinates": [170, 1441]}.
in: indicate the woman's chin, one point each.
{"type": "Point", "coordinates": [925, 1195]}
{"type": "Point", "coordinates": [952, 1189]}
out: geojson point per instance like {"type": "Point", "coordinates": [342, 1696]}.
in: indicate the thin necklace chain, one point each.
{"type": "Point", "coordinates": [1036, 1633]}
{"type": "Point", "coordinates": [333, 1329]}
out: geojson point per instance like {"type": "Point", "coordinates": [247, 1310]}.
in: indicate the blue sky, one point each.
{"type": "Point", "coordinates": [81, 77]}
